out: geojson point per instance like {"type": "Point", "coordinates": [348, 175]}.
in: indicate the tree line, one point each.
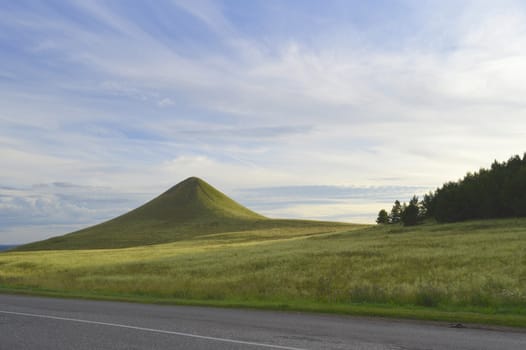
{"type": "Point", "coordinates": [497, 192]}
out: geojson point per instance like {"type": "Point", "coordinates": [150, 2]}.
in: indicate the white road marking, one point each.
{"type": "Point", "coordinates": [153, 330]}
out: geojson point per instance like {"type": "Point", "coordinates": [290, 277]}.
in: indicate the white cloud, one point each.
{"type": "Point", "coordinates": [226, 175]}
{"type": "Point", "coordinates": [251, 112]}
{"type": "Point", "coordinates": [344, 212]}
{"type": "Point", "coordinates": [166, 102]}
{"type": "Point", "coordinates": [42, 210]}
{"type": "Point", "coordinates": [209, 13]}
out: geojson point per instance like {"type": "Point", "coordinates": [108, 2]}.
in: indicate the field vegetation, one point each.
{"type": "Point", "coordinates": [472, 271]}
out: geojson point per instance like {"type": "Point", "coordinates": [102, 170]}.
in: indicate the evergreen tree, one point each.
{"type": "Point", "coordinates": [428, 205]}
{"type": "Point", "coordinates": [396, 212]}
{"type": "Point", "coordinates": [410, 215]}
{"type": "Point", "coordinates": [383, 217]}
{"type": "Point", "coordinates": [497, 192]}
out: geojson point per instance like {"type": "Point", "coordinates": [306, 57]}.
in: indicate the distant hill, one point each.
{"type": "Point", "coordinates": [189, 209]}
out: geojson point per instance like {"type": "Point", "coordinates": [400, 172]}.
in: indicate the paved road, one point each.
{"type": "Point", "coordinates": [55, 324]}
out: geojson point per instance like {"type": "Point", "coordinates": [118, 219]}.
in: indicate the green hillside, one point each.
{"type": "Point", "coordinates": [194, 245]}
{"type": "Point", "coordinates": [189, 209]}
{"type": "Point", "coordinates": [461, 272]}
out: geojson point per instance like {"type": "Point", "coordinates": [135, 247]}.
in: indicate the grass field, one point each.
{"type": "Point", "coordinates": [464, 272]}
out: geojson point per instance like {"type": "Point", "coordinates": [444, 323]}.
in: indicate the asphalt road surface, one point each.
{"type": "Point", "coordinates": [56, 324]}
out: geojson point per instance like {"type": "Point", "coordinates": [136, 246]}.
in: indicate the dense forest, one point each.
{"type": "Point", "coordinates": [497, 192]}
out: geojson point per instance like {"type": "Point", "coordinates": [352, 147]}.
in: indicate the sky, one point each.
{"type": "Point", "coordinates": [306, 109]}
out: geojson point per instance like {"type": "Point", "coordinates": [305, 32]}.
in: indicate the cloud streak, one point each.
{"type": "Point", "coordinates": [50, 209]}
{"type": "Point", "coordinates": [137, 97]}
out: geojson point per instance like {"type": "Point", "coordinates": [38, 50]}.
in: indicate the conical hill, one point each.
{"type": "Point", "coordinates": [190, 208]}
{"type": "Point", "coordinates": [192, 200]}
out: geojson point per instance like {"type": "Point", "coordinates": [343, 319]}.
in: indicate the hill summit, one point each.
{"type": "Point", "coordinates": [190, 208]}
{"type": "Point", "coordinates": [192, 200]}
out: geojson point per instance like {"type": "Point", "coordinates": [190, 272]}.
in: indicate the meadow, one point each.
{"type": "Point", "coordinates": [463, 272]}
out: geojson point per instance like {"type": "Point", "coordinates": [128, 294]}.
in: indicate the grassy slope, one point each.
{"type": "Point", "coordinates": [187, 210]}
{"type": "Point", "coordinates": [465, 272]}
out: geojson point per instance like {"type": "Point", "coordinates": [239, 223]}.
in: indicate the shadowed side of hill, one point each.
{"type": "Point", "coordinates": [190, 208]}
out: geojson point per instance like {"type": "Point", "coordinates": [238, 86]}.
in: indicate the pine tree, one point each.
{"type": "Point", "coordinates": [383, 217]}
{"type": "Point", "coordinates": [396, 212]}
{"type": "Point", "coordinates": [410, 215]}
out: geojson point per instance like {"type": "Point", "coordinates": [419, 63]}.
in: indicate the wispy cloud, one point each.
{"type": "Point", "coordinates": [136, 97]}
{"type": "Point", "coordinates": [56, 208]}
{"type": "Point", "coordinates": [165, 102]}
{"type": "Point", "coordinates": [338, 203]}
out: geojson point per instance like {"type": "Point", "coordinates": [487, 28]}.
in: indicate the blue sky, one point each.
{"type": "Point", "coordinates": [315, 109]}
